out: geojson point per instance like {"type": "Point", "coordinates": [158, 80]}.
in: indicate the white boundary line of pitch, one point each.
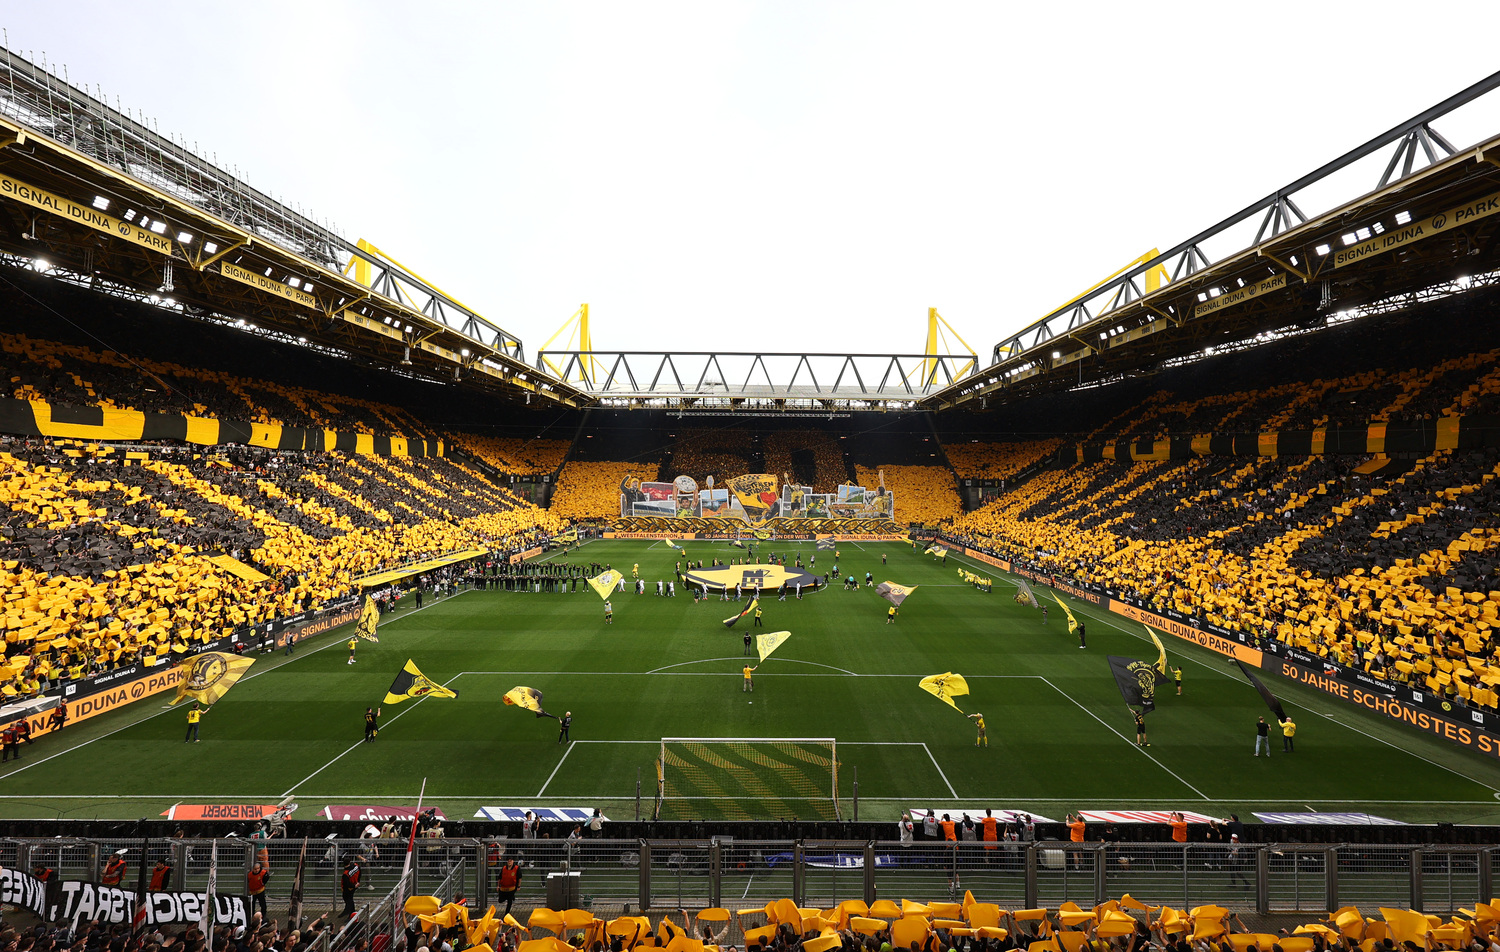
{"type": "Point", "coordinates": [846, 743]}
{"type": "Point", "coordinates": [1098, 613]}
{"type": "Point", "coordinates": [266, 670]}
{"type": "Point", "coordinates": [357, 743]}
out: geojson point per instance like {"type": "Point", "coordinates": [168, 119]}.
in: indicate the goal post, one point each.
{"type": "Point", "coordinates": [748, 778]}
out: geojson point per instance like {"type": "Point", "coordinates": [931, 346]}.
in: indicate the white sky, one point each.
{"type": "Point", "coordinates": [782, 175]}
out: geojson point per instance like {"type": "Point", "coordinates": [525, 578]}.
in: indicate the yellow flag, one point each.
{"type": "Point", "coordinates": [1072, 622]}
{"type": "Point", "coordinates": [894, 593]}
{"type": "Point", "coordinates": [368, 620]}
{"type": "Point", "coordinates": [206, 677]}
{"type": "Point", "coordinates": [529, 699]}
{"type": "Point", "coordinates": [945, 687]}
{"type": "Point", "coordinates": [410, 683]}
{"type": "Point", "coordinates": [767, 643]}
{"type": "Point", "coordinates": [1161, 652]}
{"type": "Point", "coordinates": [604, 584]}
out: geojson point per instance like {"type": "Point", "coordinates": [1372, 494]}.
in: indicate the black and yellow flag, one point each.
{"type": "Point", "coordinates": [369, 618]}
{"type": "Point", "coordinates": [749, 609]}
{"type": "Point", "coordinates": [1072, 622]}
{"type": "Point", "coordinates": [1137, 681]}
{"type": "Point", "coordinates": [411, 683]}
{"type": "Point", "coordinates": [1161, 653]}
{"type": "Point", "coordinates": [894, 593]}
{"type": "Point", "coordinates": [756, 494]}
{"type": "Point", "coordinates": [529, 699]}
{"type": "Point", "coordinates": [206, 677]}
{"type": "Point", "coordinates": [1265, 692]}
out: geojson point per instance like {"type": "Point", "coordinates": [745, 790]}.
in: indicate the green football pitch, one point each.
{"type": "Point", "coordinates": [1060, 735]}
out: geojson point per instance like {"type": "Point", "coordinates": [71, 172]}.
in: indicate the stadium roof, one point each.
{"type": "Point", "coordinates": [96, 198]}
{"type": "Point", "coordinates": [1431, 219]}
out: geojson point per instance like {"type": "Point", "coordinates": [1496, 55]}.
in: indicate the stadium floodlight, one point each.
{"type": "Point", "coordinates": [160, 227]}
{"type": "Point", "coordinates": [1322, 249]}
{"type": "Point", "coordinates": [184, 237]}
{"type": "Point", "coordinates": [464, 352]}
{"type": "Point", "coordinates": [210, 247]}
{"type": "Point", "coordinates": [41, 264]}
{"type": "Point", "coordinates": [101, 203]}
{"type": "Point", "coordinates": [1056, 354]}
{"type": "Point", "coordinates": [1403, 218]}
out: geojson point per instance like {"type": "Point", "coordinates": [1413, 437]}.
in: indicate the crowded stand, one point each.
{"type": "Point", "coordinates": [1384, 562]}
{"type": "Point", "coordinates": [925, 495]}
{"type": "Point", "coordinates": [514, 457]}
{"type": "Point", "coordinates": [958, 922]}
{"type": "Point", "coordinates": [701, 453]}
{"type": "Point", "coordinates": [107, 557]}
{"type": "Point", "coordinates": [591, 489]}
{"type": "Point", "coordinates": [976, 460]}
{"type": "Point", "coordinates": [810, 457]}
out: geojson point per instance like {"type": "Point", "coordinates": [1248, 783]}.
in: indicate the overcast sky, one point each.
{"type": "Point", "coordinates": [781, 175]}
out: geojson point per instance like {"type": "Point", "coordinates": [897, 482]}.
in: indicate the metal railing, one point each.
{"type": "Point", "coordinates": [722, 871]}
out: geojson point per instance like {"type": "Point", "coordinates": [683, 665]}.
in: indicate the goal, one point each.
{"type": "Point", "coordinates": [747, 778]}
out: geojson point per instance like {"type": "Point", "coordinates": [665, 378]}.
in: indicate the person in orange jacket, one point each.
{"type": "Point", "coordinates": [114, 870]}
{"type": "Point", "coordinates": [256, 881]}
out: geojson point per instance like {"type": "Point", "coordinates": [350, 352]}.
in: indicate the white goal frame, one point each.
{"type": "Point", "coordinates": [830, 742]}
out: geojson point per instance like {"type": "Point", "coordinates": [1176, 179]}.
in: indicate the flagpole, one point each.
{"type": "Point", "coordinates": [411, 844]}
{"type": "Point", "coordinates": [209, 911]}
{"type": "Point", "coordinates": [139, 914]}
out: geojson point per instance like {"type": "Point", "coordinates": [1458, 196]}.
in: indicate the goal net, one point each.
{"type": "Point", "coordinates": [747, 778]}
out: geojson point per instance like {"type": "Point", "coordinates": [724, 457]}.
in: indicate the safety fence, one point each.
{"type": "Point", "coordinates": [693, 874]}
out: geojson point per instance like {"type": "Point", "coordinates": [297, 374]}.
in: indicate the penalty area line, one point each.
{"type": "Point", "coordinates": [557, 768]}
{"type": "Point", "coordinates": [358, 743]}
{"type": "Point", "coordinates": [286, 660]}
{"type": "Point", "coordinates": [939, 769]}
{"type": "Point", "coordinates": [1302, 698]}
{"type": "Point", "coordinates": [1138, 747]}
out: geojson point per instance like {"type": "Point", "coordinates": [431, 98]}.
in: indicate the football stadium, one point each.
{"type": "Point", "coordinates": [337, 616]}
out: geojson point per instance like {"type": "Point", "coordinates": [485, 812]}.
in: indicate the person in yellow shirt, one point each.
{"type": "Point", "coordinates": [195, 714]}
{"type": "Point", "coordinates": [749, 684]}
{"type": "Point", "coordinates": [635, 570]}
{"type": "Point", "coordinates": [353, 643]}
{"type": "Point", "coordinates": [1288, 731]}
{"type": "Point", "coordinates": [890, 615]}
{"type": "Point", "coordinates": [983, 740]}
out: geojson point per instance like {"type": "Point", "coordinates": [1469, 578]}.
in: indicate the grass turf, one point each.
{"type": "Point", "coordinates": [1060, 736]}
